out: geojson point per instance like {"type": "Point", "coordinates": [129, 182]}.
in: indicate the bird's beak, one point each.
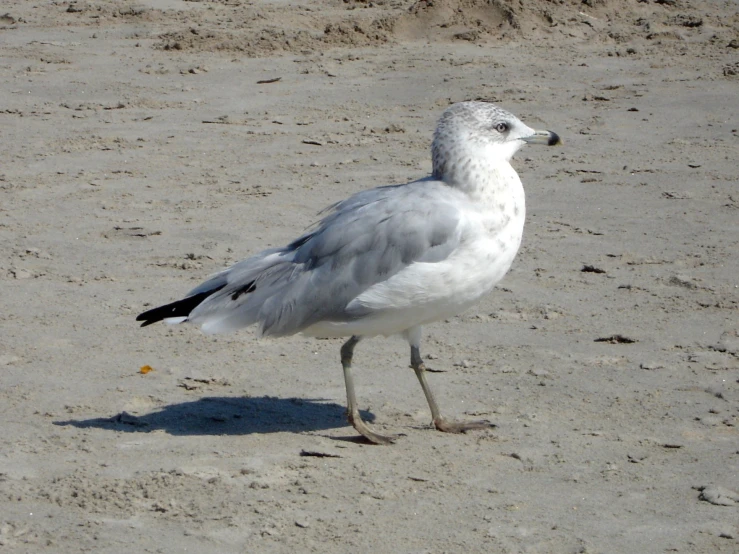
{"type": "Point", "coordinates": [549, 138]}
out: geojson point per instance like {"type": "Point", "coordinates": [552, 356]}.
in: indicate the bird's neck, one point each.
{"type": "Point", "coordinates": [485, 177]}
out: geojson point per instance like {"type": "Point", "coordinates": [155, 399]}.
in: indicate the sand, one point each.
{"type": "Point", "coordinates": [146, 145]}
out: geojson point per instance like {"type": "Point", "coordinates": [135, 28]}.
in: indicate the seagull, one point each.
{"type": "Point", "coordinates": [388, 260]}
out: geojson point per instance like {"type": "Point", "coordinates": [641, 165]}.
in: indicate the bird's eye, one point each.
{"type": "Point", "coordinates": [502, 127]}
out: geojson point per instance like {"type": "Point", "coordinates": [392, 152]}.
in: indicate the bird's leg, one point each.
{"type": "Point", "coordinates": [352, 410]}
{"type": "Point", "coordinates": [440, 422]}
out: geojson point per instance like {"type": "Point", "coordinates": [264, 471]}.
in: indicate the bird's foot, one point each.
{"type": "Point", "coordinates": [364, 430]}
{"type": "Point", "coordinates": [461, 426]}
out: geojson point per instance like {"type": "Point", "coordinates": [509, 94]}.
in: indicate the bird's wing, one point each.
{"type": "Point", "coordinates": [362, 241]}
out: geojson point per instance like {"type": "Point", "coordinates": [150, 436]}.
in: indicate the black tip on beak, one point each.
{"type": "Point", "coordinates": [550, 138]}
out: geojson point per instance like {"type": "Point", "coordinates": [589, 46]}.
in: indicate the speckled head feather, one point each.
{"type": "Point", "coordinates": [474, 134]}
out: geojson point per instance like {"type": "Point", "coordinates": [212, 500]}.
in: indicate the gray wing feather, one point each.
{"type": "Point", "coordinates": [364, 240]}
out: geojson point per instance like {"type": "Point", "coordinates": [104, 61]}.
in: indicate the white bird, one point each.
{"type": "Point", "coordinates": [387, 260]}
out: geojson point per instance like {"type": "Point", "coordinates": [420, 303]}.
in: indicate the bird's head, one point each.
{"type": "Point", "coordinates": [468, 130]}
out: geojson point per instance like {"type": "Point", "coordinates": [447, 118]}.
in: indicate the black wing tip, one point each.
{"type": "Point", "coordinates": [146, 321]}
{"type": "Point", "coordinates": [152, 316]}
{"type": "Point", "coordinates": [180, 308]}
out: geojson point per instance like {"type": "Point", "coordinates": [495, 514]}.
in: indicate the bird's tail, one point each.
{"type": "Point", "coordinates": [176, 312]}
{"type": "Point", "coordinates": [237, 297]}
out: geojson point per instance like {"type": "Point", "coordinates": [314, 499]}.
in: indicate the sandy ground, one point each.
{"type": "Point", "coordinates": [142, 150]}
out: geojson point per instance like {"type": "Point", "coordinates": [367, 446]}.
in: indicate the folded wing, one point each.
{"type": "Point", "coordinates": [362, 241]}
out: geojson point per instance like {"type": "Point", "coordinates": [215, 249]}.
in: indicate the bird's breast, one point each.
{"type": "Point", "coordinates": [496, 233]}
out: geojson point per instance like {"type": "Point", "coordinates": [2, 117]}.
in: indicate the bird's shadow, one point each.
{"type": "Point", "coordinates": [226, 415]}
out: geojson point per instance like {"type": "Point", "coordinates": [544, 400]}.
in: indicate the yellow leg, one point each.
{"type": "Point", "coordinates": [439, 422]}
{"type": "Point", "coordinates": [352, 410]}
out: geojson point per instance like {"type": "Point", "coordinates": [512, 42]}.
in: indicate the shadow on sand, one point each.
{"type": "Point", "coordinates": [225, 415]}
